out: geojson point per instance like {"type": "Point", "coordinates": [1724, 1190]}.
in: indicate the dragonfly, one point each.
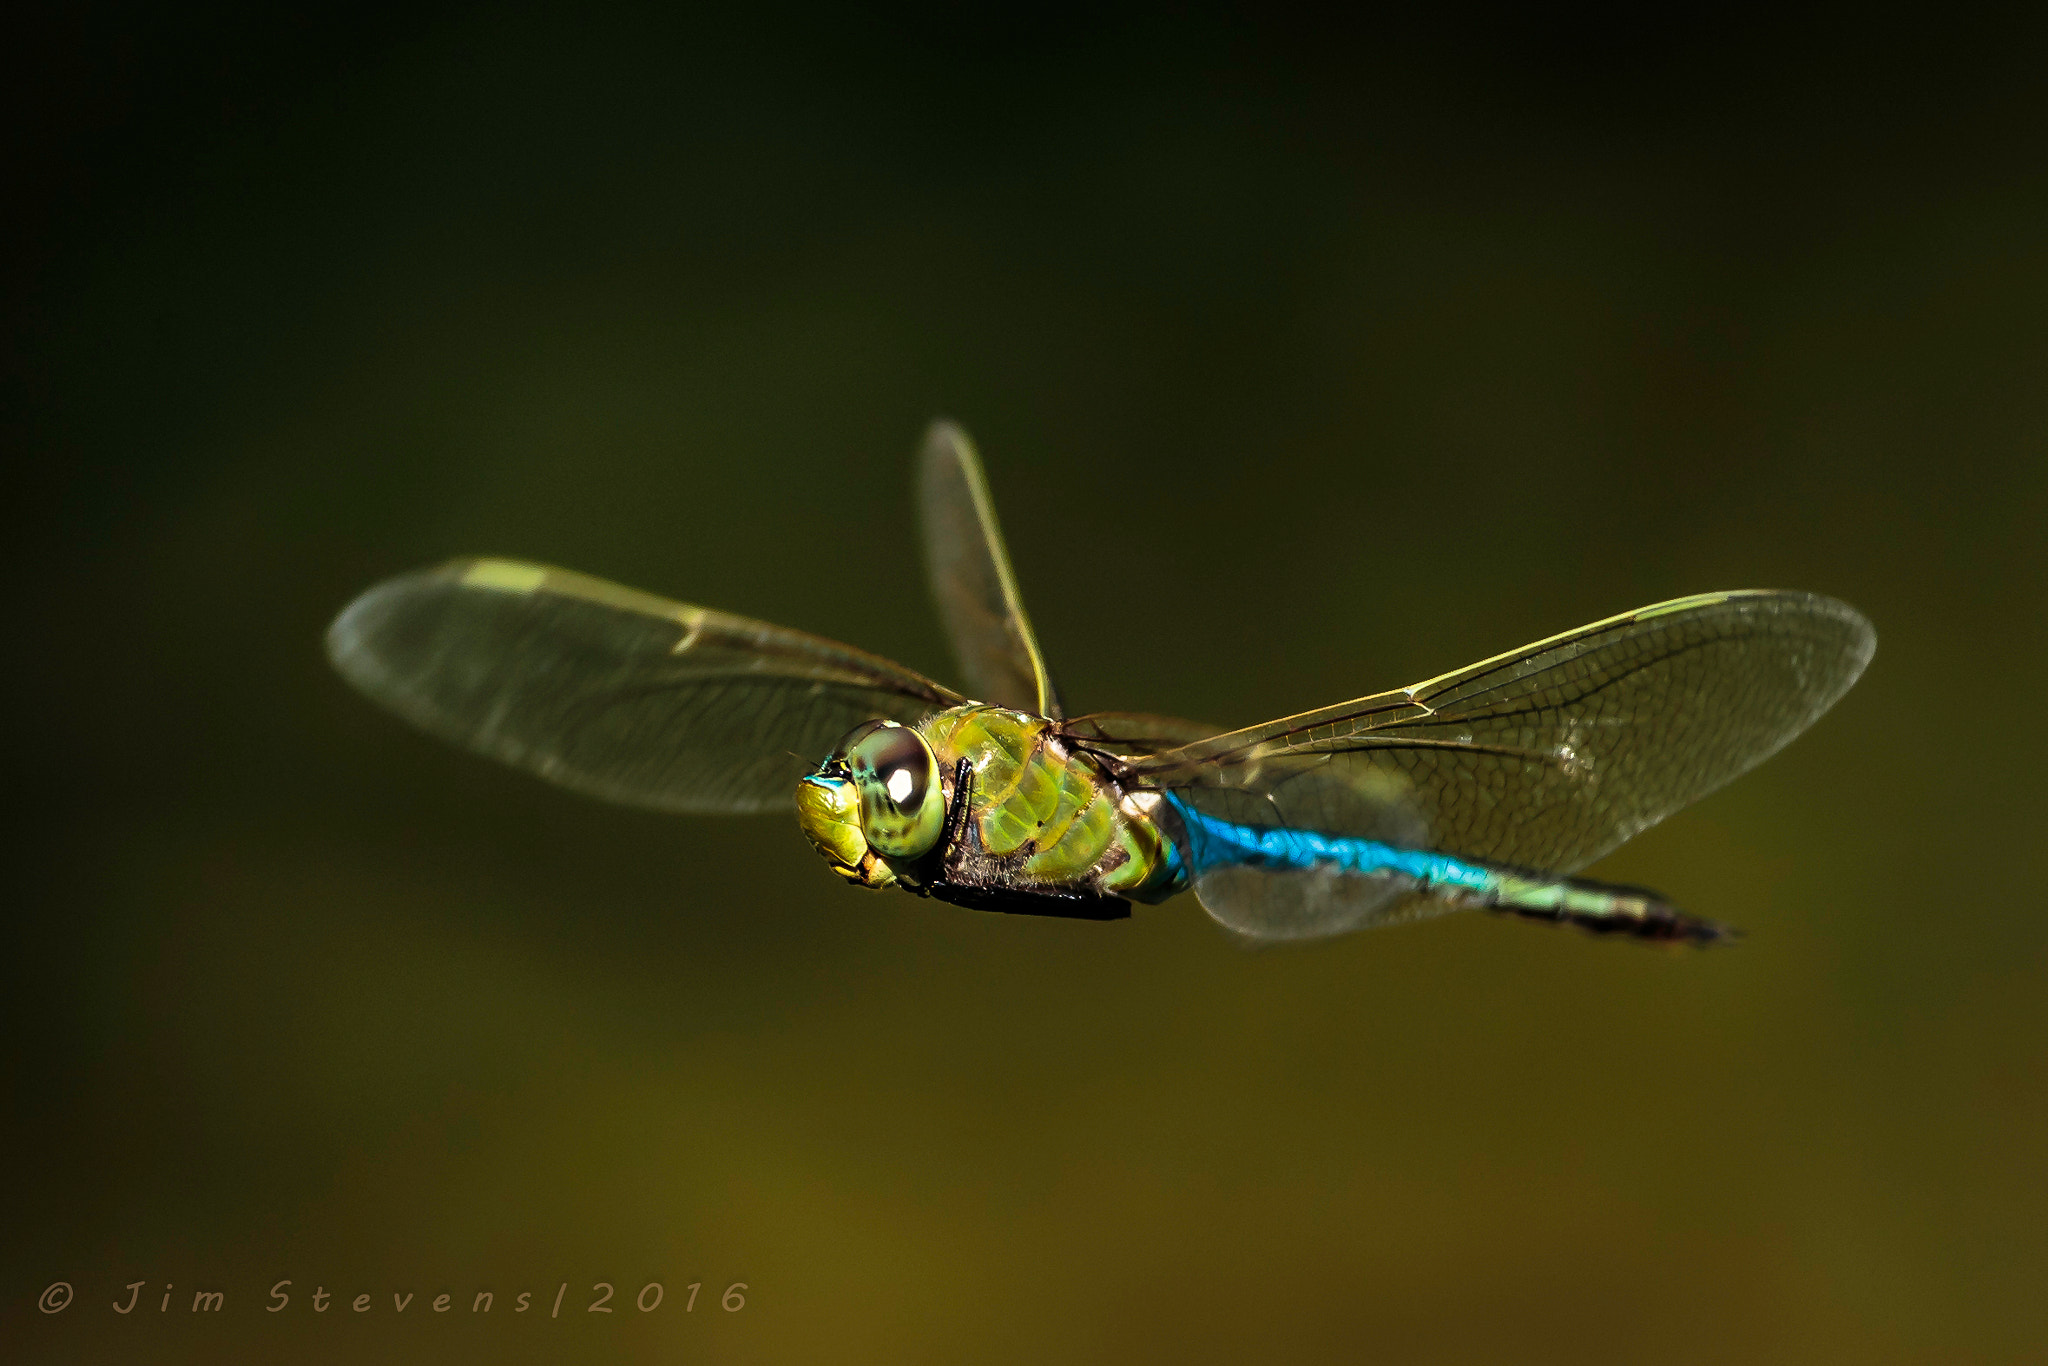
{"type": "Point", "coordinates": [1490, 787]}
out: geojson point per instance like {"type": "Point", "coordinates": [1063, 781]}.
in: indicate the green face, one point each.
{"type": "Point", "coordinates": [877, 797]}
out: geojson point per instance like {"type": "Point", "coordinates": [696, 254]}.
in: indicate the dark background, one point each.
{"type": "Point", "coordinates": [1305, 362]}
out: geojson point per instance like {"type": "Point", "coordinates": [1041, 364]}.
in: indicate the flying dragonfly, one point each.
{"type": "Point", "coordinates": [1489, 787]}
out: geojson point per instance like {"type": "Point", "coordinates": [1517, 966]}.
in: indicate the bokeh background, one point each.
{"type": "Point", "coordinates": [1306, 362]}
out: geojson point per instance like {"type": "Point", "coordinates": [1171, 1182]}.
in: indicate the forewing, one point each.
{"type": "Point", "coordinates": [971, 579]}
{"type": "Point", "coordinates": [1134, 732]}
{"type": "Point", "coordinates": [611, 691]}
{"type": "Point", "coordinates": [1549, 756]}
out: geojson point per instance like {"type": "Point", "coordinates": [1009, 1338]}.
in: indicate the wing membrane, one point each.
{"type": "Point", "coordinates": [1297, 904]}
{"type": "Point", "coordinates": [1549, 756]}
{"type": "Point", "coordinates": [971, 579]}
{"type": "Point", "coordinates": [611, 691]}
{"type": "Point", "coordinates": [1134, 732]}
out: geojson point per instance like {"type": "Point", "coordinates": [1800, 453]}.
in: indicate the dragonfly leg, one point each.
{"type": "Point", "coordinates": [951, 872]}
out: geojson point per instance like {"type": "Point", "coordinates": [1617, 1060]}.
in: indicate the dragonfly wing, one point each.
{"type": "Point", "coordinates": [1282, 904]}
{"type": "Point", "coordinates": [1277, 902]}
{"type": "Point", "coordinates": [1131, 732]}
{"type": "Point", "coordinates": [971, 578]}
{"type": "Point", "coordinates": [611, 691]}
{"type": "Point", "coordinates": [1543, 758]}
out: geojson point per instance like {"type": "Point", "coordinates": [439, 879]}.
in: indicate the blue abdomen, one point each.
{"type": "Point", "coordinates": [1210, 843]}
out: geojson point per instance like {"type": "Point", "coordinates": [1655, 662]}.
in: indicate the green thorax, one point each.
{"type": "Point", "coordinates": [1044, 816]}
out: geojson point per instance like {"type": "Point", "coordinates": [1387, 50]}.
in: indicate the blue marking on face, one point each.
{"type": "Point", "coordinates": [1217, 843]}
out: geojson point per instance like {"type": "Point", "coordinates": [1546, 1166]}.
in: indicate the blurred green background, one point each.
{"type": "Point", "coordinates": [1306, 362]}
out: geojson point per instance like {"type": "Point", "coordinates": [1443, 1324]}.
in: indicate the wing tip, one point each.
{"type": "Point", "coordinates": [1856, 647]}
{"type": "Point", "coordinates": [945, 437]}
{"type": "Point", "coordinates": [345, 635]}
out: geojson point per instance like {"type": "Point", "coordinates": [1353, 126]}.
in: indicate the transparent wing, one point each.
{"type": "Point", "coordinates": [612, 691]}
{"type": "Point", "coordinates": [971, 579]}
{"type": "Point", "coordinates": [1282, 905]}
{"type": "Point", "coordinates": [1124, 733]}
{"type": "Point", "coordinates": [1544, 758]}
{"type": "Point", "coordinates": [1276, 903]}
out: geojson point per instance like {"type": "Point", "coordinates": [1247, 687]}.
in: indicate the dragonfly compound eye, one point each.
{"type": "Point", "coordinates": [901, 805]}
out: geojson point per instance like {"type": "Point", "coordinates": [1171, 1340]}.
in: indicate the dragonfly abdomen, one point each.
{"type": "Point", "coordinates": [1214, 843]}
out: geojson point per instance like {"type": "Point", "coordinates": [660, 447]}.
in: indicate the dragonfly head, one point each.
{"type": "Point", "coordinates": [876, 798]}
